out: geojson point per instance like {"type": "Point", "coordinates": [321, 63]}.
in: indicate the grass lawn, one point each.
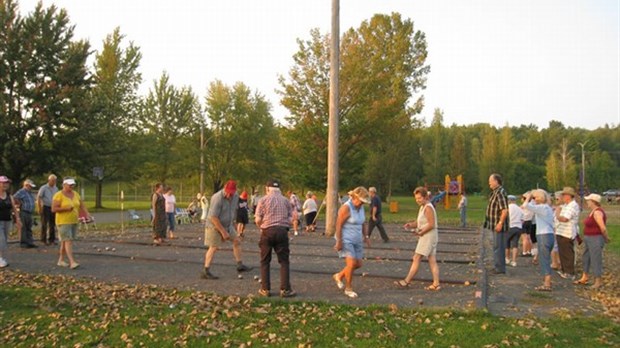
{"type": "Point", "coordinates": [38, 310]}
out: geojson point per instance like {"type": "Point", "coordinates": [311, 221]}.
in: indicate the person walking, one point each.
{"type": "Point", "coordinates": [171, 208]}
{"type": "Point", "coordinates": [44, 204]}
{"type": "Point", "coordinates": [273, 215]}
{"type": "Point", "coordinates": [567, 231]}
{"type": "Point", "coordinates": [496, 221]}
{"type": "Point", "coordinates": [243, 214]}
{"type": "Point", "coordinates": [543, 212]}
{"type": "Point", "coordinates": [426, 228]}
{"type": "Point", "coordinates": [375, 215]}
{"type": "Point", "coordinates": [8, 210]}
{"type": "Point", "coordinates": [158, 208]}
{"type": "Point", "coordinates": [351, 233]}
{"type": "Point", "coordinates": [296, 208]}
{"type": "Point", "coordinates": [220, 227]}
{"type": "Point", "coordinates": [595, 236]}
{"type": "Point", "coordinates": [25, 200]}
{"type": "Point", "coordinates": [68, 207]}
{"type": "Point", "coordinates": [463, 209]}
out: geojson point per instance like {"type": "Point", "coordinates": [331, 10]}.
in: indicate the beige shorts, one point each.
{"type": "Point", "coordinates": [213, 238]}
{"type": "Point", "coordinates": [427, 245]}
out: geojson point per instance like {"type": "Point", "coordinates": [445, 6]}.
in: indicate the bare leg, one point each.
{"type": "Point", "coordinates": [209, 256]}
{"type": "Point", "coordinates": [61, 252]}
{"type": "Point", "coordinates": [526, 243]}
{"type": "Point", "coordinates": [547, 280]}
{"type": "Point", "coordinates": [237, 249]}
{"type": "Point", "coordinates": [351, 265]}
{"type": "Point", "coordinates": [69, 250]}
{"type": "Point", "coordinates": [415, 264]}
{"type": "Point", "coordinates": [432, 262]}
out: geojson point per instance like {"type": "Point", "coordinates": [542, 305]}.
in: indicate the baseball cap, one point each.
{"type": "Point", "coordinates": [230, 187]}
{"type": "Point", "coordinates": [29, 182]}
{"type": "Point", "coordinates": [273, 183]}
{"type": "Point", "coordinates": [593, 197]}
{"type": "Point", "coordinates": [512, 198]}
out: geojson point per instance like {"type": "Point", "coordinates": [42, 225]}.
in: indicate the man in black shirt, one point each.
{"type": "Point", "coordinates": [375, 215]}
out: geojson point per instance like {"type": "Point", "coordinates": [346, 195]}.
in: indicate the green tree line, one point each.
{"type": "Point", "coordinates": [65, 113]}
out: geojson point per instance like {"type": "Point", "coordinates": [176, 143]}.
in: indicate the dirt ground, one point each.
{"type": "Point", "coordinates": [464, 255]}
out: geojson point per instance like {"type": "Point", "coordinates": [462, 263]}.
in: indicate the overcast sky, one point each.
{"type": "Point", "coordinates": [500, 62]}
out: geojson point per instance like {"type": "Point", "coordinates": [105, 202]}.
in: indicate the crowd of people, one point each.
{"type": "Point", "coordinates": [547, 232]}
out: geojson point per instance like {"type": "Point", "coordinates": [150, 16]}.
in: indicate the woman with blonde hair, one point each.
{"type": "Point", "coordinates": [539, 202]}
{"type": "Point", "coordinates": [424, 227]}
{"type": "Point", "coordinates": [351, 232]}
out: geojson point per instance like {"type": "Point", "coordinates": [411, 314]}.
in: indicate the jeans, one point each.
{"type": "Point", "coordinates": [463, 212]}
{"type": "Point", "coordinates": [379, 224]}
{"type": "Point", "coordinates": [26, 231]}
{"type": "Point", "coordinates": [275, 238]}
{"type": "Point", "coordinates": [171, 222]}
{"type": "Point", "coordinates": [499, 251]}
{"type": "Point", "coordinates": [545, 245]}
{"type": "Point", "coordinates": [48, 225]}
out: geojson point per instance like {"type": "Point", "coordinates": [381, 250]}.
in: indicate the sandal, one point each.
{"type": "Point", "coordinates": [402, 283]}
{"type": "Point", "coordinates": [581, 282]}
{"type": "Point", "coordinates": [433, 287]}
{"type": "Point", "coordinates": [543, 288]}
{"type": "Point", "coordinates": [338, 281]}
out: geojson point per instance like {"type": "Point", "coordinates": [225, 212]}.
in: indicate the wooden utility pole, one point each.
{"type": "Point", "coordinates": [332, 142]}
{"type": "Point", "coordinates": [202, 160]}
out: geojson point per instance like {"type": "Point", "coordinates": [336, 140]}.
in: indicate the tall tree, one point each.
{"type": "Point", "coordinates": [488, 156]}
{"type": "Point", "coordinates": [115, 110]}
{"type": "Point", "coordinates": [241, 135]}
{"type": "Point", "coordinates": [43, 92]}
{"type": "Point", "coordinates": [169, 115]}
{"type": "Point", "coordinates": [382, 67]}
{"type": "Point", "coordinates": [435, 164]}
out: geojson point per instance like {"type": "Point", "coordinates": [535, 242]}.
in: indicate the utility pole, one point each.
{"type": "Point", "coordinates": [332, 142]}
{"type": "Point", "coordinates": [202, 160]}
{"type": "Point", "coordinates": [582, 177]}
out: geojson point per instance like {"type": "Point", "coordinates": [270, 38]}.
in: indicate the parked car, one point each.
{"type": "Point", "coordinates": [612, 193]}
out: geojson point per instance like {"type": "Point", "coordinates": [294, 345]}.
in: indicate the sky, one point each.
{"type": "Point", "coordinates": [509, 62]}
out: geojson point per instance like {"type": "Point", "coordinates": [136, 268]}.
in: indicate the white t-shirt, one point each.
{"type": "Point", "coordinates": [171, 202]}
{"type": "Point", "coordinates": [516, 215]}
{"type": "Point", "coordinates": [309, 206]}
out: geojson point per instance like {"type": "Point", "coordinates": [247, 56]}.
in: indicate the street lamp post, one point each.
{"type": "Point", "coordinates": [582, 177]}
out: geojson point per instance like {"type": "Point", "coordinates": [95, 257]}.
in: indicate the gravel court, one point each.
{"type": "Point", "coordinates": [130, 258]}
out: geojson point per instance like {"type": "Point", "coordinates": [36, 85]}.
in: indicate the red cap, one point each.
{"type": "Point", "coordinates": [244, 195]}
{"type": "Point", "coordinates": [230, 187]}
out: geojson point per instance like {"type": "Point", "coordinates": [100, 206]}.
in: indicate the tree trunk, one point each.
{"type": "Point", "coordinates": [98, 190]}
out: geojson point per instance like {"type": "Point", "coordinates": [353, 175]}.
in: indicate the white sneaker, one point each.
{"type": "Point", "coordinates": [62, 263]}
{"type": "Point", "coordinates": [296, 233]}
{"type": "Point", "coordinates": [507, 261]}
{"type": "Point", "coordinates": [338, 281]}
{"type": "Point", "coordinates": [513, 264]}
{"type": "Point", "coordinates": [3, 263]}
{"type": "Point", "coordinates": [350, 293]}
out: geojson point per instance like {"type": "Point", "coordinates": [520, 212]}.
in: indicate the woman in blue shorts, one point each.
{"type": "Point", "coordinates": [351, 232]}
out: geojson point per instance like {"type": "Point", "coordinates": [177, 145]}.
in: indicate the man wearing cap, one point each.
{"type": "Point", "coordinates": [273, 216]}
{"type": "Point", "coordinates": [566, 232]}
{"type": "Point", "coordinates": [44, 203]}
{"type": "Point", "coordinates": [25, 200]}
{"type": "Point", "coordinates": [220, 226]}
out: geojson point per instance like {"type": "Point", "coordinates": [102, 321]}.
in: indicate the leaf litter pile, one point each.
{"type": "Point", "coordinates": [43, 310]}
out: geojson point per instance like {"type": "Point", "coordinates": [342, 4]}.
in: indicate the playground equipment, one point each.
{"type": "Point", "coordinates": [450, 191]}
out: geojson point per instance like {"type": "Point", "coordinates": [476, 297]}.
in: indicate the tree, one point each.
{"type": "Point", "coordinates": [435, 164]}
{"type": "Point", "coordinates": [241, 135]}
{"type": "Point", "coordinates": [488, 156]}
{"type": "Point", "coordinates": [168, 116]}
{"type": "Point", "coordinates": [43, 92]}
{"type": "Point", "coordinates": [382, 67]}
{"type": "Point", "coordinates": [115, 105]}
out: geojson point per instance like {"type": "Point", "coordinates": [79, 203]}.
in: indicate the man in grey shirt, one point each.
{"type": "Point", "coordinates": [220, 226]}
{"type": "Point", "coordinates": [48, 218]}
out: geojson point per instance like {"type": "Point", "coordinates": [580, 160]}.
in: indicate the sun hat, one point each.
{"type": "Point", "coordinates": [230, 187]}
{"type": "Point", "coordinates": [593, 197]}
{"type": "Point", "coordinates": [361, 193]}
{"type": "Point", "coordinates": [569, 191]}
{"type": "Point", "coordinates": [68, 181]}
{"type": "Point", "coordinates": [4, 179]}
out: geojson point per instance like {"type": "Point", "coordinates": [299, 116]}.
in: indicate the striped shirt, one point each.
{"type": "Point", "coordinates": [569, 229]}
{"type": "Point", "coordinates": [274, 210]}
{"type": "Point", "coordinates": [26, 200]}
{"type": "Point", "coordinates": [498, 201]}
